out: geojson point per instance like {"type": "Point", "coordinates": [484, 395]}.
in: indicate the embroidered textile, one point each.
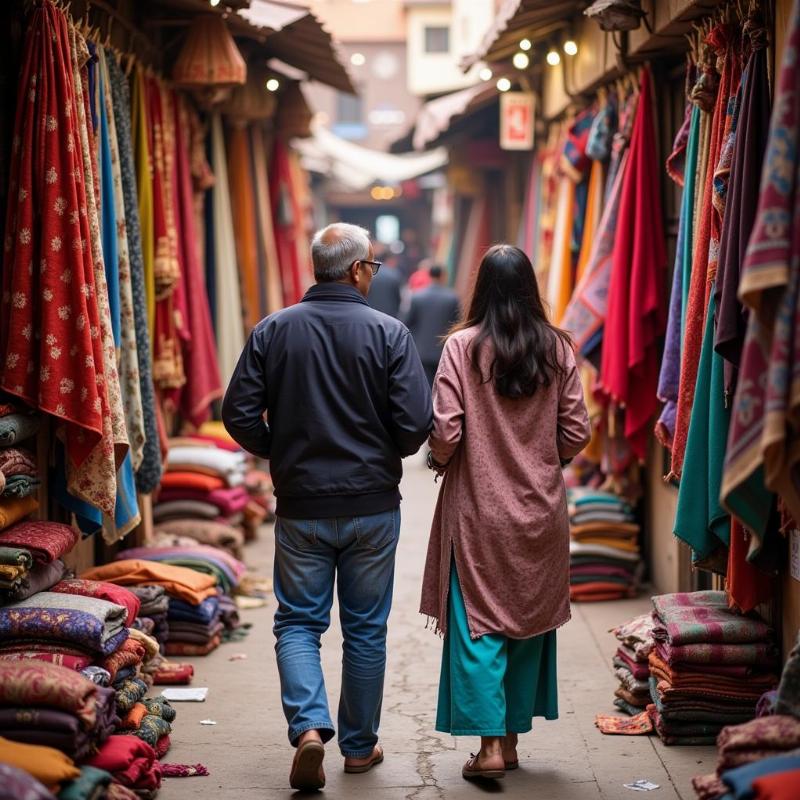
{"type": "Point", "coordinates": [37, 683]}
{"type": "Point", "coordinates": [149, 470]}
{"type": "Point", "coordinates": [17, 784]}
{"type": "Point", "coordinates": [762, 444]}
{"type": "Point", "coordinates": [104, 591]}
{"type": "Point", "coordinates": [45, 541]}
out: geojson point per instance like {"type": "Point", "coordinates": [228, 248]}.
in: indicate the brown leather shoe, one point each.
{"type": "Point", "coordinates": [307, 774]}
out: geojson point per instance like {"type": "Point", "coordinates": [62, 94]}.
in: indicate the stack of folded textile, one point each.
{"type": "Point", "coordinates": [152, 617]}
{"type": "Point", "coordinates": [709, 668]}
{"type": "Point", "coordinates": [132, 762]}
{"type": "Point", "coordinates": [18, 479]}
{"type": "Point", "coordinates": [150, 720]}
{"type": "Point", "coordinates": [30, 554]}
{"type": "Point", "coordinates": [194, 630]}
{"type": "Point", "coordinates": [748, 753]}
{"type": "Point", "coordinates": [47, 704]}
{"type": "Point", "coordinates": [18, 473]}
{"type": "Point", "coordinates": [631, 665]}
{"type": "Point", "coordinates": [194, 588]}
{"type": "Point", "coordinates": [604, 550]}
{"type": "Point", "coordinates": [182, 532]}
{"type": "Point", "coordinates": [35, 772]}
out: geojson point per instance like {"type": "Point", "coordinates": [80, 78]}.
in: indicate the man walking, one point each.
{"type": "Point", "coordinates": [386, 291]}
{"type": "Point", "coordinates": [345, 398]}
{"type": "Point", "coordinates": [434, 310]}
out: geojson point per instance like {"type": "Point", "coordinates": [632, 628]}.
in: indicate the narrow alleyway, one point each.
{"type": "Point", "coordinates": [247, 753]}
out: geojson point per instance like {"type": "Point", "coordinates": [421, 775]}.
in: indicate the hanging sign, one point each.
{"type": "Point", "coordinates": [516, 120]}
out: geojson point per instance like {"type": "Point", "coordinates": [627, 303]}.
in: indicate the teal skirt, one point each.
{"type": "Point", "coordinates": [493, 685]}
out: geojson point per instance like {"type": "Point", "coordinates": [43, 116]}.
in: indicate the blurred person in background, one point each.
{"type": "Point", "coordinates": [433, 311]}
{"type": "Point", "coordinates": [422, 276]}
{"type": "Point", "coordinates": [386, 290]}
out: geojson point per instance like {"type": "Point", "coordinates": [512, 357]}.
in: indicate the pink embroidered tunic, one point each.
{"type": "Point", "coordinates": [502, 509]}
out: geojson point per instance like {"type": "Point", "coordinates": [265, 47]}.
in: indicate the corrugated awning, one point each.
{"type": "Point", "coordinates": [297, 37]}
{"type": "Point", "coordinates": [517, 19]}
{"type": "Point", "coordinates": [359, 167]}
{"type": "Point", "coordinates": [278, 29]}
{"type": "Point", "coordinates": [436, 116]}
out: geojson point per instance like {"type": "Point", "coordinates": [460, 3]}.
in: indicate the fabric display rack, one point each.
{"type": "Point", "coordinates": [150, 224]}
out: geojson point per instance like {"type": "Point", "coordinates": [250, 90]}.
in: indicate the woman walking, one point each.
{"type": "Point", "coordinates": [508, 412]}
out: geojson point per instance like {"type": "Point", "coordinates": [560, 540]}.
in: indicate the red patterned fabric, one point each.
{"type": "Point", "coordinates": [104, 591]}
{"type": "Point", "coordinates": [36, 683]}
{"type": "Point", "coordinates": [51, 351]}
{"type": "Point", "coordinates": [46, 541]}
{"type": "Point", "coordinates": [76, 663]}
{"type": "Point", "coordinates": [637, 312]}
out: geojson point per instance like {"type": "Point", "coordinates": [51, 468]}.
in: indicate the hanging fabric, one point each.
{"type": "Point", "coordinates": [285, 215]}
{"type": "Point", "coordinates": [266, 231]}
{"type": "Point", "coordinates": [141, 147]}
{"type": "Point", "coordinates": [229, 321]}
{"type": "Point", "coordinates": [748, 157]}
{"type": "Point", "coordinates": [763, 446]}
{"type": "Point", "coordinates": [586, 312]}
{"type": "Point", "coordinates": [148, 471]}
{"type": "Point", "coordinates": [669, 377]}
{"type": "Point", "coordinates": [55, 327]}
{"type": "Point", "coordinates": [244, 222]}
{"type": "Point", "coordinates": [636, 309]}
{"type": "Point", "coordinates": [203, 384]}
{"type": "Point", "coordinates": [126, 511]}
{"type": "Point", "coordinates": [725, 44]}
{"type": "Point", "coordinates": [95, 479]}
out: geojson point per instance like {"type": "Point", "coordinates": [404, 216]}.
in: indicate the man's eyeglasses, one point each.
{"type": "Point", "coordinates": [376, 265]}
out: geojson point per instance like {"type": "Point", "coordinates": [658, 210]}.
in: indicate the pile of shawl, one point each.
{"type": "Point", "coordinates": [51, 704]}
{"type": "Point", "coordinates": [198, 628]}
{"type": "Point", "coordinates": [709, 668]}
{"type": "Point", "coordinates": [604, 550]}
{"type": "Point", "coordinates": [192, 588]}
{"type": "Point", "coordinates": [631, 664]}
{"type": "Point", "coordinates": [30, 558]}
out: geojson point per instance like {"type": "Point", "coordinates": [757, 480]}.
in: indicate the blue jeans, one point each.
{"type": "Point", "coordinates": [359, 552]}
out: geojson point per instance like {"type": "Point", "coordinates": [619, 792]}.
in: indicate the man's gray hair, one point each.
{"type": "Point", "coordinates": [335, 248]}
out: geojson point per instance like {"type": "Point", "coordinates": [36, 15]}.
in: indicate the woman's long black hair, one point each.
{"type": "Point", "coordinates": [507, 307]}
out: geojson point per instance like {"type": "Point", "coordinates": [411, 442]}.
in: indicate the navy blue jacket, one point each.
{"type": "Point", "coordinates": [345, 398]}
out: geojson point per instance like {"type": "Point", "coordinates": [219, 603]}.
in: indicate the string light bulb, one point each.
{"type": "Point", "coordinates": [273, 84]}
{"type": "Point", "coordinates": [525, 44]}
{"type": "Point", "coordinates": [520, 60]}
{"type": "Point", "coordinates": [503, 85]}
{"type": "Point", "coordinates": [213, 3]}
{"type": "Point", "coordinates": [553, 58]}
{"type": "Point", "coordinates": [485, 74]}
{"type": "Point", "coordinates": [571, 47]}
{"type": "Point", "coordinates": [358, 59]}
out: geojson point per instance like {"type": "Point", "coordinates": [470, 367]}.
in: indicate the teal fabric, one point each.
{"type": "Point", "coordinates": [493, 685]}
{"type": "Point", "coordinates": [700, 519]}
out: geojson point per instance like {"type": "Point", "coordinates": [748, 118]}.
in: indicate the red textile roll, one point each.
{"type": "Point", "coordinates": [197, 481]}
{"type": "Point", "coordinates": [131, 761]}
{"type": "Point", "coordinates": [46, 541]}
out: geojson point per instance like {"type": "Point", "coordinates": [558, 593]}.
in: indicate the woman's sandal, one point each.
{"type": "Point", "coordinates": [376, 758]}
{"type": "Point", "coordinates": [470, 772]}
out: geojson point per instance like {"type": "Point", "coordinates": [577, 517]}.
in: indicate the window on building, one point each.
{"type": "Point", "coordinates": [437, 39]}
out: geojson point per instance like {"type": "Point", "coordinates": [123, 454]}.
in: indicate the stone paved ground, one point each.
{"type": "Point", "coordinates": [247, 753]}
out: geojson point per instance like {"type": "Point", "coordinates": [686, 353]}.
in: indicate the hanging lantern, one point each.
{"type": "Point", "coordinates": [616, 15]}
{"type": "Point", "coordinates": [252, 101]}
{"type": "Point", "coordinates": [210, 62]}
